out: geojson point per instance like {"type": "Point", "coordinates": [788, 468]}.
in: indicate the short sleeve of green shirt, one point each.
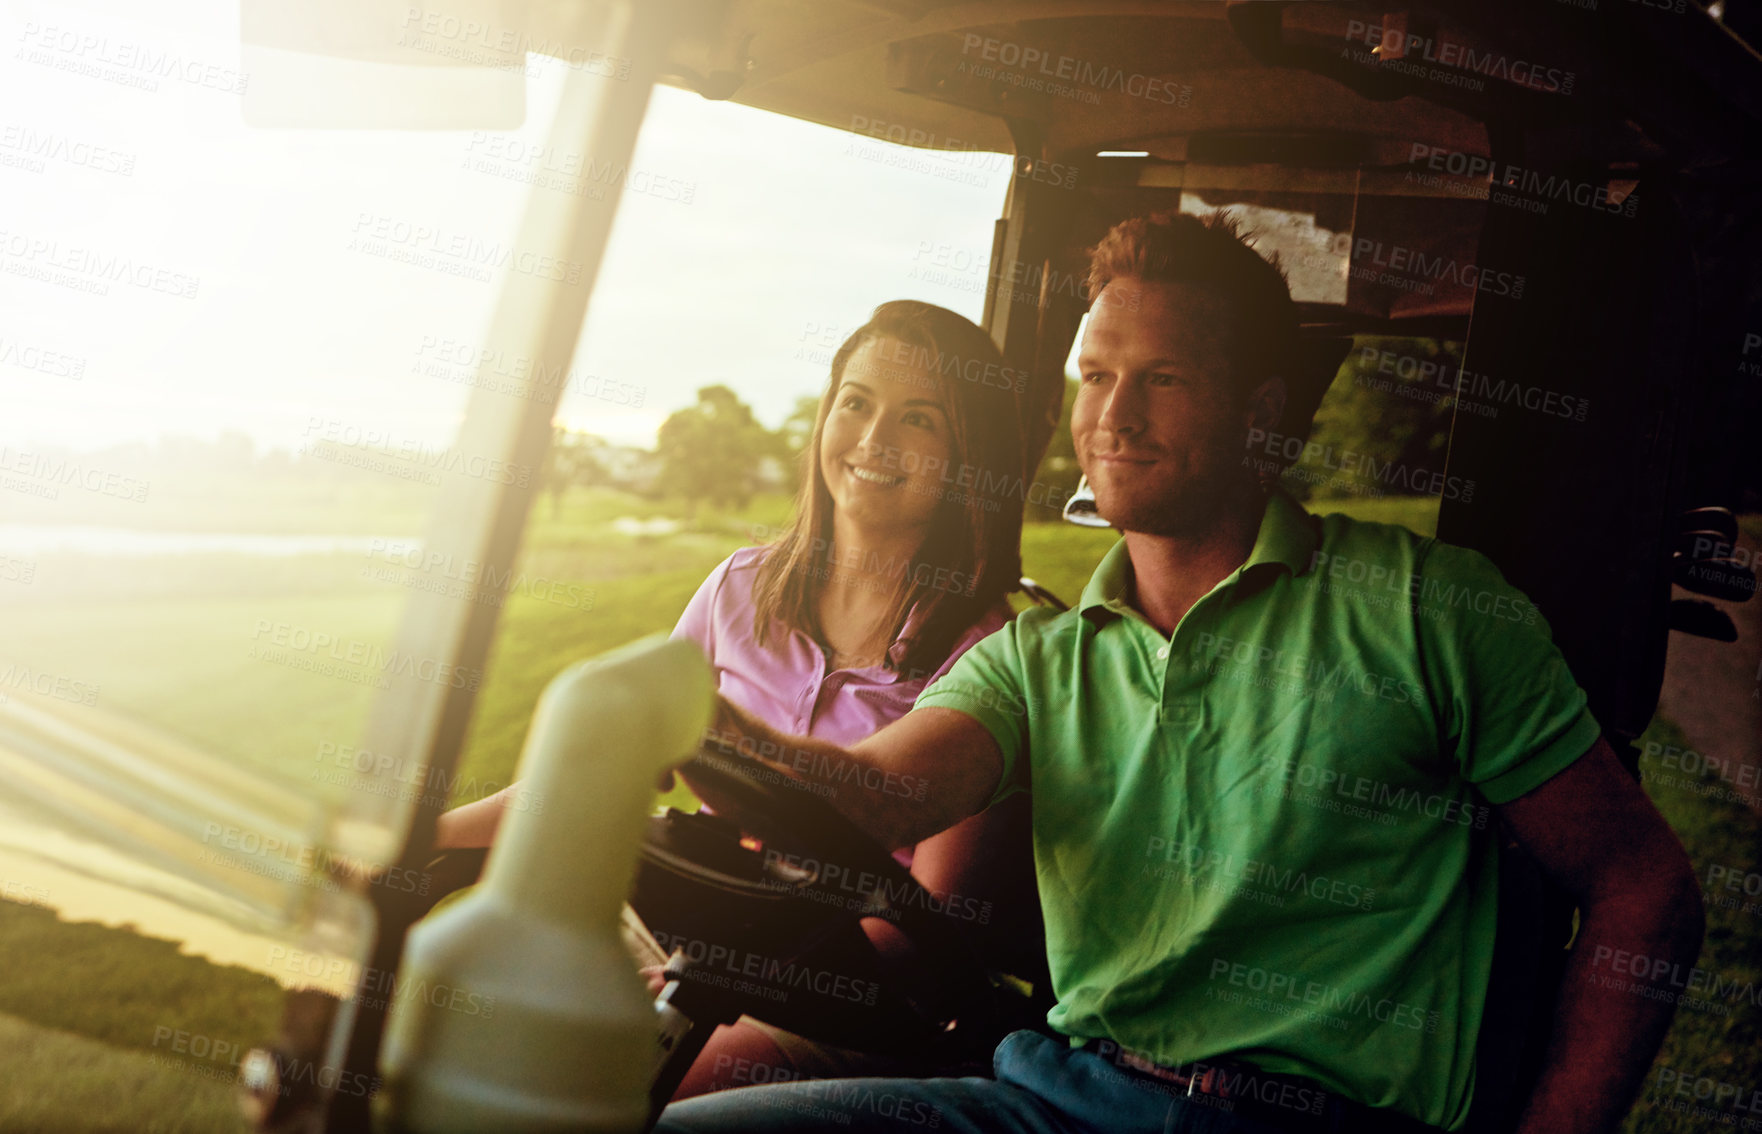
{"type": "Point", "coordinates": [1513, 715]}
{"type": "Point", "coordinates": [986, 684]}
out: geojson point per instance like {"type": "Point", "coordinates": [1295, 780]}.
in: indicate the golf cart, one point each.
{"type": "Point", "coordinates": [1559, 190]}
{"type": "Point", "coordinates": [1556, 192]}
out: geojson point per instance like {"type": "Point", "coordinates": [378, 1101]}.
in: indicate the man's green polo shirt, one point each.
{"type": "Point", "coordinates": [1269, 836]}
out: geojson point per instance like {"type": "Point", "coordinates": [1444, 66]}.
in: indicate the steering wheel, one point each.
{"type": "Point", "coordinates": [764, 893]}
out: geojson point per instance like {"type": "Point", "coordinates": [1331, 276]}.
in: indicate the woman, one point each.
{"type": "Point", "coordinates": [905, 540]}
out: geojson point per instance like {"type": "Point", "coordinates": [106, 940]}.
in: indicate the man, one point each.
{"type": "Point", "coordinates": [1267, 752]}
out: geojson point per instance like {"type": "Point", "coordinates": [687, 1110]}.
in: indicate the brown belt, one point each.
{"type": "Point", "coordinates": [1287, 1101]}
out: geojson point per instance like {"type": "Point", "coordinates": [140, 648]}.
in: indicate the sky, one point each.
{"type": "Point", "coordinates": [168, 268]}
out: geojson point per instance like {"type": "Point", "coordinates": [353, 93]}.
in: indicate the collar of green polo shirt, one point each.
{"type": "Point", "coordinates": [1269, 836]}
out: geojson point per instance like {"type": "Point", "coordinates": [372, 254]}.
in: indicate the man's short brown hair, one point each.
{"type": "Point", "coordinates": [1210, 252]}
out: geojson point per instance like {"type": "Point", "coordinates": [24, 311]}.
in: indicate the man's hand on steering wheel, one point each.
{"type": "Point", "coordinates": [729, 724]}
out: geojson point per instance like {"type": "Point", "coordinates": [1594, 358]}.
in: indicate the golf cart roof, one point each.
{"type": "Point", "coordinates": [1166, 77]}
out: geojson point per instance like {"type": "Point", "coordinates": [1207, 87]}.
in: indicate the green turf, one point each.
{"type": "Point", "coordinates": [1061, 557]}
{"type": "Point", "coordinates": [199, 667]}
{"type": "Point", "coordinates": [1716, 829]}
{"type": "Point", "coordinates": [58, 1082]}
{"type": "Point", "coordinates": [537, 641]}
{"type": "Point", "coordinates": [120, 988]}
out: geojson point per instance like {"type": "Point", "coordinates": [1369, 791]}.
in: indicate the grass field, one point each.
{"type": "Point", "coordinates": [83, 1038]}
{"type": "Point", "coordinates": [1717, 1036]}
{"type": "Point", "coordinates": [100, 1088]}
{"type": "Point", "coordinates": [101, 1038]}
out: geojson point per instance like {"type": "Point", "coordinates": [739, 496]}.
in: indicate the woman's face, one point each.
{"type": "Point", "coordinates": [884, 450]}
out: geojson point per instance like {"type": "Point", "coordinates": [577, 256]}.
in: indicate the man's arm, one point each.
{"type": "Point", "coordinates": [952, 755]}
{"type": "Point", "coordinates": [1594, 832]}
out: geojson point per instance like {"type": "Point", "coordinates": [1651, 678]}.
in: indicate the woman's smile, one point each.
{"type": "Point", "coordinates": [874, 476]}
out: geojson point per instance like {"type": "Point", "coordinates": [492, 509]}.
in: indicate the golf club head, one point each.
{"type": "Point", "coordinates": [1710, 519]}
{"type": "Point", "coordinates": [1702, 619]}
{"type": "Point", "coordinates": [1704, 543]}
{"type": "Point", "coordinates": [1725, 579]}
{"type": "Point", "coordinates": [1080, 508]}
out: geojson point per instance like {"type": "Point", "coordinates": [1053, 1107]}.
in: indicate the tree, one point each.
{"type": "Point", "coordinates": [712, 450]}
{"type": "Point", "coordinates": [798, 428]}
{"type": "Point", "coordinates": [1058, 474]}
{"type": "Point", "coordinates": [570, 461]}
{"type": "Point", "coordinates": [1372, 415]}
{"type": "Point", "coordinates": [795, 433]}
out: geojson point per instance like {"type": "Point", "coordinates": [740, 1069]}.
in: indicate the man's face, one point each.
{"type": "Point", "coordinates": [1158, 425]}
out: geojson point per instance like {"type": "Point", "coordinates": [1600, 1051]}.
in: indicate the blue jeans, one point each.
{"type": "Point", "coordinates": [1042, 1087]}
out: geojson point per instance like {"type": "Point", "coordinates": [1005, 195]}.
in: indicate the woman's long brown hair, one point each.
{"type": "Point", "coordinates": [971, 555]}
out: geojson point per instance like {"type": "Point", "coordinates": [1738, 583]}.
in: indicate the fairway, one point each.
{"type": "Point", "coordinates": [102, 1088]}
